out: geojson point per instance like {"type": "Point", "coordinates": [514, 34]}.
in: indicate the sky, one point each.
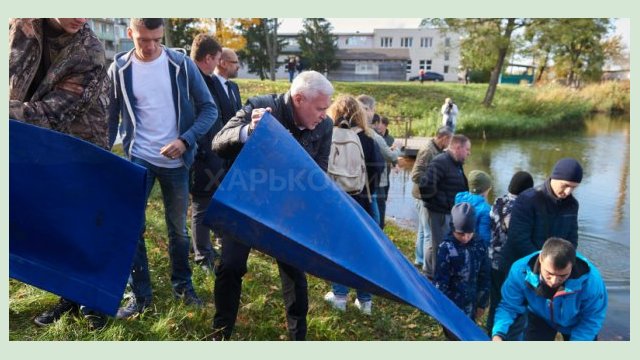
{"type": "Point", "coordinates": [366, 25]}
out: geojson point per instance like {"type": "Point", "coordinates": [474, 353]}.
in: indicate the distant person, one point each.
{"type": "Point", "coordinates": [421, 75]}
{"type": "Point", "coordinates": [303, 112]}
{"type": "Point", "coordinates": [160, 106]}
{"type": "Point", "coordinates": [291, 68]}
{"type": "Point", "coordinates": [443, 179]}
{"type": "Point", "coordinates": [348, 114]}
{"type": "Point", "coordinates": [477, 196]}
{"type": "Point", "coordinates": [500, 219]}
{"type": "Point", "coordinates": [58, 80]}
{"type": "Point", "coordinates": [561, 291]}
{"type": "Point", "coordinates": [449, 113]}
{"type": "Point", "coordinates": [434, 146]}
{"type": "Point", "coordinates": [462, 273]}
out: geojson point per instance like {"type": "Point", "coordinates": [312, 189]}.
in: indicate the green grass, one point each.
{"type": "Point", "coordinates": [516, 110]}
{"type": "Point", "coordinates": [261, 315]}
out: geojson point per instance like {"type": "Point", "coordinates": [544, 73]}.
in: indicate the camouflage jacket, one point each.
{"type": "Point", "coordinates": [73, 97]}
{"type": "Point", "coordinates": [462, 273]}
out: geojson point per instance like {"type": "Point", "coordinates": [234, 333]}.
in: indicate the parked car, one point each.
{"type": "Point", "coordinates": [428, 76]}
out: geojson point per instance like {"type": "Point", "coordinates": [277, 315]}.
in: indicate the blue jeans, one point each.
{"type": "Point", "coordinates": [375, 211]}
{"type": "Point", "coordinates": [423, 238]}
{"type": "Point", "coordinates": [174, 184]}
{"type": "Point", "coordinates": [341, 290]}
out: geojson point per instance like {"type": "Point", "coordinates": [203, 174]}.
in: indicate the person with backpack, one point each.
{"type": "Point", "coordinates": [355, 164]}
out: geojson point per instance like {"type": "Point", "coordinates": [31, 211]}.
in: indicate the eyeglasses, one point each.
{"type": "Point", "coordinates": [233, 62]}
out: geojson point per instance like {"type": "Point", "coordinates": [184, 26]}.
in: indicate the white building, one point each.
{"type": "Point", "coordinates": [427, 49]}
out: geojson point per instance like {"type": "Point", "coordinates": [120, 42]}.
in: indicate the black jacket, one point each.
{"type": "Point", "coordinates": [209, 169]}
{"type": "Point", "coordinates": [537, 215]}
{"type": "Point", "coordinates": [444, 179]}
{"type": "Point", "coordinates": [316, 142]}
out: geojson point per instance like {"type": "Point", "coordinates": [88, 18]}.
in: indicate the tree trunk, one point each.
{"type": "Point", "coordinates": [502, 53]}
{"type": "Point", "coordinates": [271, 37]}
{"type": "Point", "coordinates": [168, 38]}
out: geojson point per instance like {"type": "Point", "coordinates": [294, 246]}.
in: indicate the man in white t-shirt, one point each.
{"type": "Point", "coordinates": [160, 106]}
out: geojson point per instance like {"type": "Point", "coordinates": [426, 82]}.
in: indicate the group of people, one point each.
{"type": "Point", "coordinates": [517, 258]}
{"type": "Point", "coordinates": [182, 119]}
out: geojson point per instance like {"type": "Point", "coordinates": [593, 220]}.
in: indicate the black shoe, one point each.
{"type": "Point", "coordinates": [54, 314]}
{"type": "Point", "coordinates": [189, 297]}
{"type": "Point", "coordinates": [96, 320]}
{"type": "Point", "coordinates": [133, 308]}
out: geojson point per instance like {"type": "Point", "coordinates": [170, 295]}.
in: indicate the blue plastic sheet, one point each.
{"type": "Point", "coordinates": [75, 215]}
{"type": "Point", "coordinates": [276, 199]}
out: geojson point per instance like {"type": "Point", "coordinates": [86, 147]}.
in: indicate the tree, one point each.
{"type": "Point", "coordinates": [485, 44]}
{"type": "Point", "coordinates": [317, 45]}
{"type": "Point", "coordinates": [263, 47]}
{"type": "Point", "coordinates": [179, 32]}
{"type": "Point", "coordinates": [227, 33]}
{"type": "Point", "coordinates": [577, 46]}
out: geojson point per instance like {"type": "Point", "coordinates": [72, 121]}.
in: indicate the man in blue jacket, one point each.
{"type": "Point", "coordinates": [161, 106]}
{"type": "Point", "coordinates": [561, 290]}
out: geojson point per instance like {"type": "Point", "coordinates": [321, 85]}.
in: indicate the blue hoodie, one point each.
{"type": "Point", "coordinates": [195, 110]}
{"type": "Point", "coordinates": [483, 218]}
{"type": "Point", "coordinates": [578, 310]}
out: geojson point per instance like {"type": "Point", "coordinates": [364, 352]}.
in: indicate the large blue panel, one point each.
{"type": "Point", "coordinates": [75, 215]}
{"type": "Point", "coordinates": [277, 200]}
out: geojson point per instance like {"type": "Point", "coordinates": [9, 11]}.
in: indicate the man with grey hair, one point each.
{"type": "Point", "coordinates": [302, 111]}
{"type": "Point", "coordinates": [433, 147]}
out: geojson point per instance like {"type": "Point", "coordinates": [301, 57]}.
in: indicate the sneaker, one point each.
{"type": "Point", "coordinates": [54, 314]}
{"type": "Point", "coordinates": [364, 307]}
{"type": "Point", "coordinates": [189, 297]}
{"type": "Point", "coordinates": [338, 302]}
{"type": "Point", "coordinates": [132, 308]}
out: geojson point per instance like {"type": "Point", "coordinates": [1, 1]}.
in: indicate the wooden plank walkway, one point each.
{"type": "Point", "coordinates": [411, 145]}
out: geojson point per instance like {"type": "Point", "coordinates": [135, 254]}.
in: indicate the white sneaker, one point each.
{"type": "Point", "coordinates": [364, 307]}
{"type": "Point", "coordinates": [338, 302]}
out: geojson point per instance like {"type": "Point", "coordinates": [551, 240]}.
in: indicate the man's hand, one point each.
{"type": "Point", "coordinates": [174, 149]}
{"type": "Point", "coordinates": [496, 338]}
{"type": "Point", "coordinates": [256, 115]}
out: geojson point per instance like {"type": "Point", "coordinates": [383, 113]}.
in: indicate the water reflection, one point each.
{"type": "Point", "coordinates": [603, 148]}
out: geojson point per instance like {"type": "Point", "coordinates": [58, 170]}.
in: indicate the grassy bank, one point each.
{"type": "Point", "coordinates": [516, 110]}
{"type": "Point", "coordinates": [261, 315]}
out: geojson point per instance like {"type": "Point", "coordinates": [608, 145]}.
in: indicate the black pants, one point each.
{"type": "Point", "coordinates": [382, 193]}
{"type": "Point", "coordinates": [539, 330]}
{"type": "Point", "coordinates": [228, 286]}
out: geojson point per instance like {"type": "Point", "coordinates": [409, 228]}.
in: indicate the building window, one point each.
{"type": "Point", "coordinates": [446, 69]}
{"type": "Point", "coordinates": [428, 65]}
{"type": "Point", "coordinates": [366, 68]}
{"type": "Point", "coordinates": [447, 42]}
{"type": "Point", "coordinates": [446, 56]}
{"type": "Point", "coordinates": [356, 41]}
{"type": "Point", "coordinates": [426, 42]}
{"type": "Point", "coordinates": [386, 42]}
{"type": "Point", "coordinates": [409, 67]}
{"type": "Point", "coordinates": [406, 42]}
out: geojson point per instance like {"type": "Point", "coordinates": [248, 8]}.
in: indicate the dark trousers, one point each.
{"type": "Point", "coordinates": [228, 286]}
{"type": "Point", "coordinates": [516, 329]}
{"type": "Point", "coordinates": [383, 194]}
{"type": "Point", "coordinates": [539, 330]}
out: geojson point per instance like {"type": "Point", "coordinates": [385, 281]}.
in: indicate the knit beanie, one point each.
{"type": "Point", "coordinates": [463, 218]}
{"type": "Point", "coordinates": [567, 169]}
{"type": "Point", "coordinates": [479, 181]}
{"type": "Point", "coordinates": [520, 182]}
